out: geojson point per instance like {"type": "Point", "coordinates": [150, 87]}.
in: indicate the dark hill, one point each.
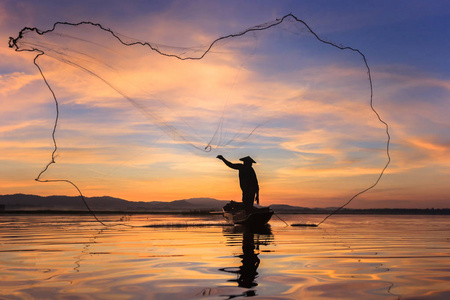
{"type": "Point", "coordinates": [34, 202]}
{"type": "Point", "coordinates": [31, 203]}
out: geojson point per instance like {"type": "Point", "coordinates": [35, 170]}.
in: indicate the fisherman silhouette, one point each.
{"type": "Point", "coordinates": [247, 181]}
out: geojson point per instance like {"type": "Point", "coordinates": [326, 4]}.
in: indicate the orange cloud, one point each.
{"type": "Point", "coordinates": [10, 83]}
{"type": "Point", "coordinates": [104, 144]}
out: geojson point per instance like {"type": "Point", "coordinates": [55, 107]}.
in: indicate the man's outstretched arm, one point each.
{"type": "Point", "coordinates": [229, 164]}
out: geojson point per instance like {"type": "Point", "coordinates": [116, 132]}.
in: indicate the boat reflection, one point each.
{"type": "Point", "coordinates": [251, 240]}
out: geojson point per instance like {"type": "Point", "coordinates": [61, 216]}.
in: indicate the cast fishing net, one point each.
{"type": "Point", "coordinates": [302, 105]}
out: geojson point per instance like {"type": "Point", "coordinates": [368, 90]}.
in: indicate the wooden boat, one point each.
{"type": "Point", "coordinates": [234, 213]}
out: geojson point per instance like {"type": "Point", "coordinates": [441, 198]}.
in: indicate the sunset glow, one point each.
{"type": "Point", "coordinates": [299, 108]}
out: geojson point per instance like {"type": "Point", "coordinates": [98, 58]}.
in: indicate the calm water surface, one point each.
{"type": "Point", "coordinates": [348, 257]}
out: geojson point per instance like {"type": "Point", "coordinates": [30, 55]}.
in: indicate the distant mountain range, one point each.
{"type": "Point", "coordinates": [23, 202]}
{"type": "Point", "coordinates": [68, 203]}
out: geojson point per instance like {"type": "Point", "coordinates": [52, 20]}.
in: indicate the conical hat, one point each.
{"type": "Point", "coordinates": [248, 158]}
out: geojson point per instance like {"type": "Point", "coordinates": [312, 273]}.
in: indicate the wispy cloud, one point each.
{"type": "Point", "coordinates": [316, 138]}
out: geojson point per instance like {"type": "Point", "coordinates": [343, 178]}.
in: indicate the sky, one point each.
{"type": "Point", "coordinates": [300, 108]}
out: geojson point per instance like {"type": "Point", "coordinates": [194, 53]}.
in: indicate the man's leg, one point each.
{"type": "Point", "coordinates": [248, 198]}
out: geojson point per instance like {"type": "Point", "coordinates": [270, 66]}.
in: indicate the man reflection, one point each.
{"type": "Point", "coordinates": [247, 272]}
{"type": "Point", "coordinates": [250, 261]}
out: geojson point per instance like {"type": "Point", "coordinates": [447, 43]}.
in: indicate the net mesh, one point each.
{"type": "Point", "coordinates": [277, 91]}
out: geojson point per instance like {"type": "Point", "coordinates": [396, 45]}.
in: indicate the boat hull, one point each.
{"type": "Point", "coordinates": [234, 213]}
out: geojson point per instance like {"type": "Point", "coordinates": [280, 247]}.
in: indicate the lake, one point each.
{"type": "Point", "coordinates": [347, 257]}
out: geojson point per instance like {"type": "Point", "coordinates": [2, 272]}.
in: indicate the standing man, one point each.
{"type": "Point", "coordinates": [247, 181]}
